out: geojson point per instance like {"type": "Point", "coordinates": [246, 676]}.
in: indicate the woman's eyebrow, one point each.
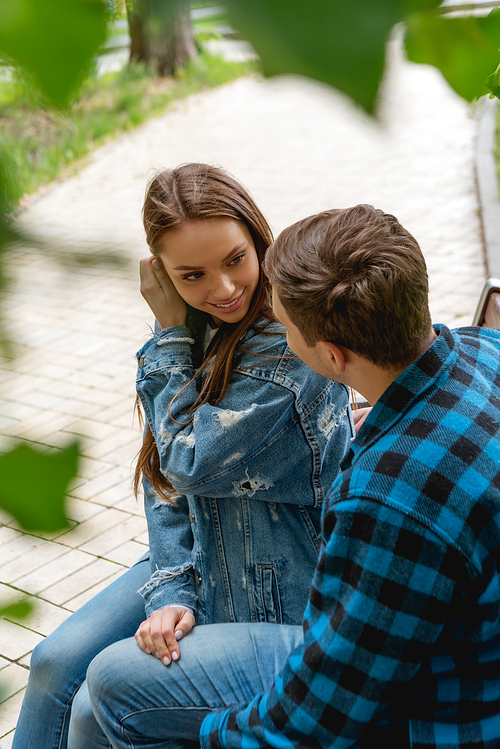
{"type": "Point", "coordinates": [200, 267]}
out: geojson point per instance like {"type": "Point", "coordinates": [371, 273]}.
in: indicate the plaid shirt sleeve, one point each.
{"type": "Point", "coordinates": [378, 602]}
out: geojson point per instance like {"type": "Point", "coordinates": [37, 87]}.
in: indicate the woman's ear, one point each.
{"type": "Point", "coordinates": [334, 356]}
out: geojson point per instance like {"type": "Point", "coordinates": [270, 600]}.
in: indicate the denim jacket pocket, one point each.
{"type": "Point", "coordinates": [267, 594]}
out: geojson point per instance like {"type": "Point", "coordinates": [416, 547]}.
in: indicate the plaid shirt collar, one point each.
{"type": "Point", "coordinates": [401, 394]}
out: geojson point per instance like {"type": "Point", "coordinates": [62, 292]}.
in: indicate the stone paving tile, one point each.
{"type": "Point", "coordinates": [103, 448]}
{"type": "Point", "coordinates": [89, 428]}
{"type": "Point", "coordinates": [131, 504]}
{"type": "Point", "coordinates": [44, 617]}
{"type": "Point", "coordinates": [116, 494]}
{"type": "Point", "coordinates": [16, 640]}
{"type": "Point", "coordinates": [93, 527]}
{"type": "Point", "coordinates": [9, 710]}
{"type": "Point", "coordinates": [45, 535]}
{"type": "Point", "coordinates": [6, 741]}
{"type": "Point", "coordinates": [40, 425]}
{"type": "Point", "coordinates": [62, 439]}
{"type": "Point", "coordinates": [73, 585]}
{"type": "Point", "coordinates": [25, 660]}
{"type": "Point", "coordinates": [106, 542]}
{"type": "Point", "coordinates": [79, 510]}
{"type": "Point", "coordinates": [15, 544]}
{"type": "Point", "coordinates": [101, 482]}
{"type": "Point", "coordinates": [6, 423]}
{"type": "Point", "coordinates": [39, 579]}
{"type": "Point", "coordinates": [9, 595]}
{"type": "Point", "coordinates": [16, 410]}
{"type": "Point", "coordinates": [121, 414]}
{"type": "Point", "coordinates": [8, 534]}
{"type": "Point", "coordinates": [90, 469]}
{"type": "Point", "coordinates": [38, 553]}
{"type": "Point", "coordinates": [299, 148]}
{"type": "Point", "coordinates": [13, 679]}
{"type": "Point", "coordinates": [127, 553]}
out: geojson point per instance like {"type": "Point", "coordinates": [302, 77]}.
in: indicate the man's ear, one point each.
{"type": "Point", "coordinates": [334, 355]}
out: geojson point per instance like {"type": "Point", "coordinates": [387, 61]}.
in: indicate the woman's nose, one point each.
{"type": "Point", "coordinates": [223, 289]}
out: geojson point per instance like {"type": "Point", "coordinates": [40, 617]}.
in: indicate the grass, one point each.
{"type": "Point", "coordinates": [40, 144]}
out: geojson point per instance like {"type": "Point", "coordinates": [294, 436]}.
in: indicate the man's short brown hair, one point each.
{"type": "Point", "coordinates": [357, 278]}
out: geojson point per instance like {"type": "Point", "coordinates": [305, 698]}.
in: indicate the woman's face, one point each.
{"type": "Point", "coordinates": [213, 265]}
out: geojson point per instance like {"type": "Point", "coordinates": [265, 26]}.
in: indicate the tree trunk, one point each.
{"type": "Point", "coordinates": [161, 35]}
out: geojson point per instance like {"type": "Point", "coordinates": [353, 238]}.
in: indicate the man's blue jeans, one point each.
{"type": "Point", "coordinates": [54, 697]}
{"type": "Point", "coordinates": [139, 702]}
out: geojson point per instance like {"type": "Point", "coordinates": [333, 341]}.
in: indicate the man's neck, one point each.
{"type": "Point", "coordinates": [372, 381]}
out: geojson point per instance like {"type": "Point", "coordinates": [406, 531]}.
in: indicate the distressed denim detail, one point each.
{"type": "Point", "coordinates": [331, 419]}
{"type": "Point", "coordinates": [248, 486]}
{"type": "Point", "coordinates": [252, 473]}
{"type": "Point", "coordinates": [161, 575]}
{"type": "Point", "coordinates": [164, 341]}
{"type": "Point", "coordinates": [229, 418]}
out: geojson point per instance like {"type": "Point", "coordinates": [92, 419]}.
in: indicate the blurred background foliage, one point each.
{"type": "Point", "coordinates": [51, 47]}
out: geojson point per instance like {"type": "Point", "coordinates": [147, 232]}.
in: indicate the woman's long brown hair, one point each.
{"type": "Point", "coordinates": [195, 192]}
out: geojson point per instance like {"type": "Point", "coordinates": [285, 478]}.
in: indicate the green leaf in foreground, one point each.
{"type": "Point", "coordinates": [33, 486]}
{"type": "Point", "coordinates": [19, 610]}
{"type": "Point", "coordinates": [464, 49]}
{"type": "Point", "coordinates": [54, 40]}
{"type": "Point", "coordinates": [339, 42]}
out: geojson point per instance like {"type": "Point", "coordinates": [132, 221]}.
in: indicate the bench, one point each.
{"type": "Point", "coordinates": [488, 310]}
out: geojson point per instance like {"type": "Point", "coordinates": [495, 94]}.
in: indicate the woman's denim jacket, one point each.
{"type": "Point", "coordinates": [240, 543]}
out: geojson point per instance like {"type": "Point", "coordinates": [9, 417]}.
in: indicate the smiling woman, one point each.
{"type": "Point", "coordinates": [242, 441]}
{"type": "Point", "coordinates": [221, 278]}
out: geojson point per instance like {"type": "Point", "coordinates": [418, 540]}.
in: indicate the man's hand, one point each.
{"type": "Point", "coordinates": [160, 633]}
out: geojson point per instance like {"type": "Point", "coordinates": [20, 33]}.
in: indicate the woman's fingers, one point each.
{"type": "Point", "coordinates": [160, 293]}
{"type": "Point", "coordinates": [161, 632]}
{"type": "Point", "coordinates": [151, 288]}
{"type": "Point", "coordinates": [161, 623]}
{"type": "Point", "coordinates": [143, 637]}
{"type": "Point", "coordinates": [359, 416]}
{"type": "Point", "coordinates": [184, 625]}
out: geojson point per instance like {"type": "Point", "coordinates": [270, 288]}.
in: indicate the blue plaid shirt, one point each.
{"type": "Point", "coordinates": [402, 629]}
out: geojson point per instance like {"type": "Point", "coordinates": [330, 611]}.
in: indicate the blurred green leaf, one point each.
{"type": "Point", "coordinates": [53, 40]}
{"type": "Point", "coordinates": [9, 193]}
{"type": "Point", "coordinates": [19, 610]}
{"type": "Point", "coordinates": [464, 49]}
{"type": "Point", "coordinates": [339, 42]}
{"type": "Point", "coordinates": [493, 83]}
{"type": "Point", "coordinates": [33, 486]}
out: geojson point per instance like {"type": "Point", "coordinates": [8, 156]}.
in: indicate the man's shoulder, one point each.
{"type": "Point", "coordinates": [479, 340]}
{"type": "Point", "coordinates": [440, 465]}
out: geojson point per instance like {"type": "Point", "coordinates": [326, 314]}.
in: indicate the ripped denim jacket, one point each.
{"type": "Point", "coordinates": [240, 544]}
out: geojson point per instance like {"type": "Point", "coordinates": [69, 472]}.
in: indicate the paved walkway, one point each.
{"type": "Point", "coordinates": [78, 319]}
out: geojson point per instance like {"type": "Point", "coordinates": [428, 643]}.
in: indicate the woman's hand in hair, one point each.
{"type": "Point", "coordinates": [168, 307]}
{"type": "Point", "coordinates": [161, 632]}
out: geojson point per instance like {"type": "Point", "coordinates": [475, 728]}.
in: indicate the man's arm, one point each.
{"type": "Point", "coordinates": [378, 601]}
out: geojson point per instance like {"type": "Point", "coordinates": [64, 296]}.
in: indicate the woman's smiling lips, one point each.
{"type": "Point", "coordinates": [229, 306]}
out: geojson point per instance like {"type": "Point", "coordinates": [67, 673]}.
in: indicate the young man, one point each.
{"type": "Point", "coordinates": [400, 645]}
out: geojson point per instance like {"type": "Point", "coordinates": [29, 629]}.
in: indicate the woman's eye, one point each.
{"type": "Point", "coordinates": [192, 277]}
{"type": "Point", "coordinates": [236, 260]}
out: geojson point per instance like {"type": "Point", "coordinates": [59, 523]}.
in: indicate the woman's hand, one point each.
{"type": "Point", "coordinates": [161, 632]}
{"type": "Point", "coordinates": [166, 304]}
{"type": "Point", "coordinates": [359, 416]}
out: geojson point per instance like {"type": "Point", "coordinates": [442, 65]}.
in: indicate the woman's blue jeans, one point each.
{"type": "Point", "coordinates": [139, 702]}
{"type": "Point", "coordinates": [59, 664]}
